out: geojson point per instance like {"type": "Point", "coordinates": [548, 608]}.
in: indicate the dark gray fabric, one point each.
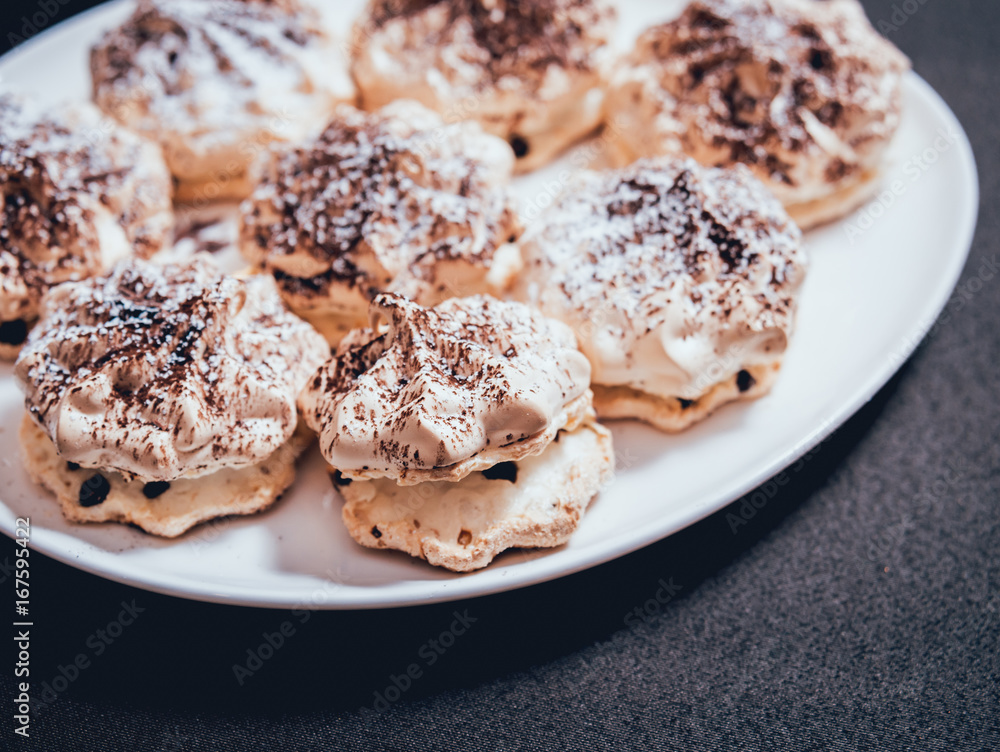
{"type": "Point", "coordinates": [859, 609]}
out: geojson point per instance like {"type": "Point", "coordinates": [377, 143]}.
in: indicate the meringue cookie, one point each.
{"type": "Point", "coordinates": [167, 372]}
{"type": "Point", "coordinates": [805, 93]}
{"type": "Point", "coordinates": [217, 81]}
{"type": "Point", "coordinates": [77, 193]}
{"type": "Point", "coordinates": [439, 393]}
{"type": "Point", "coordinates": [392, 201]}
{"type": "Point", "coordinates": [675, 278]}
{"type": "Point", "coordinates": [532, 73]}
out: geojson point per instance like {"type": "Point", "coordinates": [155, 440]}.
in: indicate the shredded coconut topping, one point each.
{"type": "Point", "coordinates": [163, 372]}
{"type": "Point", "coordinates": [75, 191]}
{"type": "Point", "coordinates": [387, 201]}
{"type": "Point", "coordinates": [431, 387]}
{"type": "Point", "coordinates": [668, 271]}
{"type": "Point", "coordinates": [806, 93]}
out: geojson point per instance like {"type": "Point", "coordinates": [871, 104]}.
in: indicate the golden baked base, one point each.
{"type": "Point", "coordinates": [536, 502]}
{"type": "Point", "coordinates": [9, 352]}
{"type": "Point", "coordinates": [333, 326]}
{"type": "Point", "coordinates": [672, 414]}
{"type": "Point", "coordinates": [823, 211]}
{"type": "Point", "coordinates": [234, 187]}
{"type": "Point", "coordinates": [88, 495]}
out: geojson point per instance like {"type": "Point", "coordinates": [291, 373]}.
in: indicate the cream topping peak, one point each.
{"type": "Point", "coordinates": [207, 67]}
{"type": "Point", "coordinates": [394, 200]}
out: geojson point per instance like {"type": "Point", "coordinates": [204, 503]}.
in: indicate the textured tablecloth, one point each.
{"type": "Point", "coordinates": [859, 609]}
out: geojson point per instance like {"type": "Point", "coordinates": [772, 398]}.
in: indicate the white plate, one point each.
{"type": "Point", "coordinates": [865, 307]}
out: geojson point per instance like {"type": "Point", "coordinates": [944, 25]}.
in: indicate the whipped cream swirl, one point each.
{"type": "Point", "coordinates": [167, 372]}
{"type": "Point", "coordinates": [441, 392]}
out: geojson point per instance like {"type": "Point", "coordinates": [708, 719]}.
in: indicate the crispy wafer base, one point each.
{"type": "Point", "coordinates": [815, 213]}
{"type": "Point", "coordinates": [183, 505]}
{"type": "Point", "coordinates": [9, 352]}
{"type": "Point", "coordinates": [462, 526]}
{"type": "Point", "coordinates": [672, 415]}
{"type": "Point", "coordinates": [209, 190]}
{"type": "Point", "coordinates": [334, 327]}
